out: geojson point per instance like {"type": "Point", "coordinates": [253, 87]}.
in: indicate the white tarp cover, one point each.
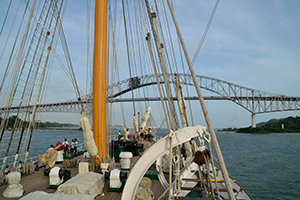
{"type": "Point", "coordinates": [88, 135]}
{"type": "Point", "coordinates": [144, 191]}
{"type": "Point", "coordinates": [14, 188]}
{"type": "Point", "coordinates": [86, 183]}
{"type": "Point", "coordinates": [41, 195]}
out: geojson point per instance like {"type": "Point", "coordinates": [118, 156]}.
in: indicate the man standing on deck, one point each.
{"type": "Point", "coordinates": [66, 144]}
{"type": "Point", "coordinates": [119, 136]}
{"type": "Point", "coordinates": [75, 145]}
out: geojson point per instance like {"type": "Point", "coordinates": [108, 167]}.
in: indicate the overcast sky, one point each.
{"type": "Point", "coordinates": [250, 43]}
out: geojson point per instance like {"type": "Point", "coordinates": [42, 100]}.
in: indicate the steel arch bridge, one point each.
{"type": "Point", "coordinates": [254, 101]}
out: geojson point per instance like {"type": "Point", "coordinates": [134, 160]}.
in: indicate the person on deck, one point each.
{"type": "Point", "coordinates": [66, 144]}
{"type": "Point", "coordinates": [72, 147]}
{"type": "Point", "coordinates": [127, 132]}
{"type": "Point", "coordinates": [20, 167]}
{"type": "Point", "coordinates": [149, 134]}
{"type": "Point", "coordinates": [120, 134]}
{"type": "Point", "coordinates": [146, 134]}
{"type": "Point", "coordinates": [142, 133]}
{"type": "Point", "coordinates": [75, 145]}
{"type": "Point", "coordinates": [6, 171]}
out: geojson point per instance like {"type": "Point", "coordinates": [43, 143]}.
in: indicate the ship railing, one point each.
{"type": "Point", "coordinates": [81, 147]}
{"type": "Point", "coordinates": [11, 161]}
{"type": "Point", "coordinates": [34, 159]}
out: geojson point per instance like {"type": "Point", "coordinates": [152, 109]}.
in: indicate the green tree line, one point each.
{"type": "Point", "coordinates": [286, 125]}
{"type": "Point", "coordinates": [12, 119]}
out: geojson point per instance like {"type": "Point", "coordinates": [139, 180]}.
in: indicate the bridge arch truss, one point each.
{"type": "Point", "coordinates": [255, 101]}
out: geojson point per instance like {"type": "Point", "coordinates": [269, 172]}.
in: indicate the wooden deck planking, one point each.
{"type": "Point", "coordinates": [39, 182]}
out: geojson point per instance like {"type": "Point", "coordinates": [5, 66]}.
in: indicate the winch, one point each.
{"type": "Point", "coordinates": [117, 180]}
{"type": "Point", "coordinates": [58, 176]}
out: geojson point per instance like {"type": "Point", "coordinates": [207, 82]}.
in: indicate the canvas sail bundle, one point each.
{"type": "Point", "coordinates": [89, 141]}
{"type": "Point", "coordinates": [146, 116]}
{"type": "Point", "coordinates": [49, 158]}
{"type": "Point", "coordinates": [135, 124]}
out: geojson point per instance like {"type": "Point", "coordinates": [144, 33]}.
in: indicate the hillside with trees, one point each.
{"type": "Point", "coordinates": [38, 124]}
{"type": "Point", "coordinates": [286, 125]}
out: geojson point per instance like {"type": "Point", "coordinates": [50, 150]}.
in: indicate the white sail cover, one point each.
{"type": "Point", "coordinates": [41, 195]}
{"type": "Point", "coordinates": [88, 135]}
{"type": "Point", "coordinates": [125, 133]}
{"type": "Point", "coordinates": [14, 189]}
{"type": "Point", "coordinates": [144, 191]}
{"type": "Point", "coordinates": [135, 124]}
{"type": "Point", "coordinates": [146, 117]}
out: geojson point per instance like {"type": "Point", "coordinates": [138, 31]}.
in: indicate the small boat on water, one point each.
{"type": "Point", "coordinates": [188, 162]}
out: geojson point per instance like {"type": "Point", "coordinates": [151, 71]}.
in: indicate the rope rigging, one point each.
{"type": "Point", "coordinates": [11, 55]}
{"type": "Point", "coordinates": [128, 57]}
{"type": "Point", "coordinates": [205, 32]}
{"type": "Point", "coordinates": [7, 11]}
{"type": "Point", "coordinates": [204, 109]}
{"type": "Point", "coordinates": [31, 72]}
{"type": "Point", "coordinates": [70, 72]}
{"type": "Point", "coordinates": [88, 49]}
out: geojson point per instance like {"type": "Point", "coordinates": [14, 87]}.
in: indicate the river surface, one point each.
{"type": "Point", "coordinates": [266, 165]}
{"type": "Point", "coordinates": [47, 137]}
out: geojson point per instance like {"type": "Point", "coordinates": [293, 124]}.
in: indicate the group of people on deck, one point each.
{"type": "Point", "coordinates": [145, 134]}
{"type": "Point", "coordinates": [68, 148]}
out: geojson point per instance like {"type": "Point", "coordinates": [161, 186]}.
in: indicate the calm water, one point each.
{"type": "Point", "coordinates": [267, 165]}
{"type": "Point", "coordinates": [47, 137]}
{"type": "Point", "coordinates": [42, 139]}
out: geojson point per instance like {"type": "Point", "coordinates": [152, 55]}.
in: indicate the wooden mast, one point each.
{"type": "Point", "coordinates": [99, 78]}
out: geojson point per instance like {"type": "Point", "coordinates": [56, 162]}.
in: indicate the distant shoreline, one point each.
{"type": "Point", "coordinates": [61, 128]}
{"type": "Point", "coordinates": [257, 133]}
{"type": "Point", "coordinates": [286, 125]}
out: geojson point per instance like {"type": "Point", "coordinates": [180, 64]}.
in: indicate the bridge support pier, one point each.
{"type": "Point", "coordinates": [253, 120]}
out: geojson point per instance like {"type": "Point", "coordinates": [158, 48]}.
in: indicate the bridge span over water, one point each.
{"type": "Point", "coordinates": [254, 101]}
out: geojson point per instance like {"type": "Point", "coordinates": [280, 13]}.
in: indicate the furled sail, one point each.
{"type": "Point", "coordinates": [146, 117]}
{"type": "Point", "coordinates": [181, 102]}
{"type": "Point", "coordinates": [88, 135]}
{"type": "Point", "coordinates": [125, 133]}
{"type": "Point", "coordinates": [135, 124]}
